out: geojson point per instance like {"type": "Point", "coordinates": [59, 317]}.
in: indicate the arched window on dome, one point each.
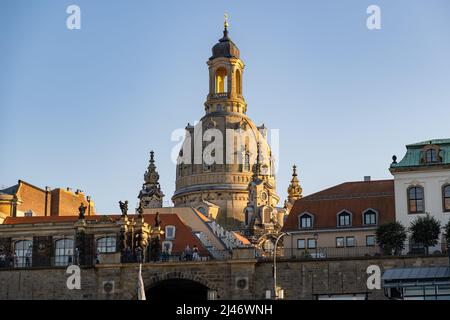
{"type": "Point", "coordinates": [238, 82]}
{"type": "Point", "coordinates": [221, 80]}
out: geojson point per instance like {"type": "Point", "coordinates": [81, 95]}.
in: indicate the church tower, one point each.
{"type": "Point", "coordinates": [222, 183]}
{"type": "Point", "coordinates": [151, 195]}
{"type": "Point", "coordinates": [225, 77]}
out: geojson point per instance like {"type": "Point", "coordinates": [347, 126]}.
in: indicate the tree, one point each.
{"type": "Point", "coordinates": [447, 232]}
{"type": "Point", "coordinates": [391, 237]}
{"type": "Point", "coordinates": [425, 230]}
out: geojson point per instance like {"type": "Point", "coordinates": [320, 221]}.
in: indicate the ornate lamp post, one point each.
{"type": "Point", "coordinates": [275, 292]}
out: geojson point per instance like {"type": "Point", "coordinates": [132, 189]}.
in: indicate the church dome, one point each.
{"type": "Point", "coordinates": [225, 48]}
{"type": "Point", "coordinates": [219, 152]}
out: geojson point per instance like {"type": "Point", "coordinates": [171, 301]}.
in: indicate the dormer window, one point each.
{"type": "Point", "coordinates": [306, 221]}
{"type": "Point", "coordinates": [431, 155]}
{"type": "Point", "coordinates": [344, 219]}
{"type": "Point", "coordinates": [370, 217]}
{"type": "Point", "coordinates": [170, 232]}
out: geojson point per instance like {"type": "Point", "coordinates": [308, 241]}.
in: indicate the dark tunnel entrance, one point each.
{"type": "Point", "coordinates": [177, 290]}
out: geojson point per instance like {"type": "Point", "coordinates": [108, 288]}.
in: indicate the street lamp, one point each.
{"type": "Point", "coordinates": [316, 237]}
{"type": "Point", "coordinates": [275, 293]}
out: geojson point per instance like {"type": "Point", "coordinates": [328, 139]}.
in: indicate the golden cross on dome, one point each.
{"type": "Point", "coordinates": [225, 24]}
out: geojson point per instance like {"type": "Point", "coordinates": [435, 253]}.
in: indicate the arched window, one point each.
{"type": "Point", "coordinates": [24, 253]}
{"type": "Point", "coordinates": [344, 219]}
{"type": "Point", "coordinates": [415, 200]}
{"type": "Point", "coordinates": [106, 244]}
{"type": "Point", "coordinates": [431, 155]}
{"type": "Point", "coordinates": [446, 197]}
{"type": "Point", "coordinates": [238, 82]}
{"type": "Point", "coordinates": [63, 252]}
{"type": "Point", "coordinates": [221, 80]}
{"type": "Point", "coordinates": [170, 232]}
{"type": "Point", "coordinates": [305, 221]}
{"type": "Point", "coordinates": [370, 217]}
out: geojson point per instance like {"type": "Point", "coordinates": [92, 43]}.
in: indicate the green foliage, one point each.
{"type": "Point", "coordinates": [425, 230]}
{"type": "Point", "coordinates": [306, 254]}
{"type": "Point", "coordinates": [447, 232]}
{"type": "Point", "coordinates": [391, 237]}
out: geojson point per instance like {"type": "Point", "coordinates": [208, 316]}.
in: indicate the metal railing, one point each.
{"type": "Point", "coordinates": [361, 251]}
{"type": "Point", "coordinates": [12, 261]}
{"type": "Point", "coordinates": [221, 95]}
{"type": "Point", "coordinates": [15, 262]}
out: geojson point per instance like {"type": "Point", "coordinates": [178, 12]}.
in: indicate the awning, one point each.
{"type": "Point", "coordinates": [397, 277]}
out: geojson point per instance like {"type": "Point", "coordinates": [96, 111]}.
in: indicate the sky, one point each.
{"type": "Point", "coordinates": [83, 108]}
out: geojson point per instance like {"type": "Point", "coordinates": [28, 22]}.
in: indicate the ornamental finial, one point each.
{"type": "Point", "coordinates": [225, 23]}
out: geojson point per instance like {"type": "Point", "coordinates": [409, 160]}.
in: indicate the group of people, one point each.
{"type": "Point", "coordinates": [8, 260]}
{"type": "Point", "coordinates": [137, 256]}
{"type": "Point", "coordinates": [190, 254]}
{"type": "Point", "coordinates": [11, 260]}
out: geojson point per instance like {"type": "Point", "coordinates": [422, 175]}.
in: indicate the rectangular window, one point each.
{"type": "Point", "coordinates": [370, 241]}
{"type": "Point", "coordinates": [350, 241]}
{"type": "Point", "coordinates": [311, 243]}
{"type": "Point", "coordinates": [446, 197]}
{"type": "Point", "coordinates": [170, 232]}
{"type": "Point", "coordinates": [339, 242]}
{"type": "Point", "coordinates": [301, 244]}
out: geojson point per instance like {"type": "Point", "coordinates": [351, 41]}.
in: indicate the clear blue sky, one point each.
{"type": "Point", "coordinates": [83, 108]}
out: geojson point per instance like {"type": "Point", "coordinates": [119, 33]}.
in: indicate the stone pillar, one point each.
{"type": "Point", "coordinates": [84, 245]}
{"type": "Point", "coordinates": [42, 251]}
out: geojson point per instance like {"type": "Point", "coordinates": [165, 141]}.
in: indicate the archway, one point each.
{"type": "Point", "coordinates": [177, 290]}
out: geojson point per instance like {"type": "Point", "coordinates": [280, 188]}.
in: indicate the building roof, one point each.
{"type": "Point", "coordinates": [398, 275]}
{"type": "Point", "coordinates": [10, 190]}
{"type": "Point", "coordinates": [44, 219]}
{"type": "Point", "coordinates": [201, 215]}
{"type": "Point", "coordinates": [355, 197]}
{"type": "Point", "coordinates": [225, 48]}
{"type": "Point", "coordinates": [414, 154]}
{"type": "Point", "coordinates": [183, 233]}
{"type": "Point", "coordinates": [241, 238]}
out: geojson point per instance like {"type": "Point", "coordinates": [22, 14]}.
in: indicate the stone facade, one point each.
{"type": "Point", "coordinates": [299, 279]}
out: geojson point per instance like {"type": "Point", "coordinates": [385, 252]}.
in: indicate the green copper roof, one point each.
{"type": "Point", "coordinates": [414, 154]}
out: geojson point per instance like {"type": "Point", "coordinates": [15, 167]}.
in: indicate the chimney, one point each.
{"type": "Point", "coordinates": [367, 178]}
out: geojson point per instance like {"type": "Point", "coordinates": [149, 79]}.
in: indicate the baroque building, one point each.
{"type": "Point", "coordinates": [422, 185]}
{"type": "Point", "coordinates": [151, 195]}
{"type": "Point", "coordinates": [215, 163]}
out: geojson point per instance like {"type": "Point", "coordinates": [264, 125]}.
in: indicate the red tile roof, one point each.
{"type": "Point", "coordinates": [355, 197]}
